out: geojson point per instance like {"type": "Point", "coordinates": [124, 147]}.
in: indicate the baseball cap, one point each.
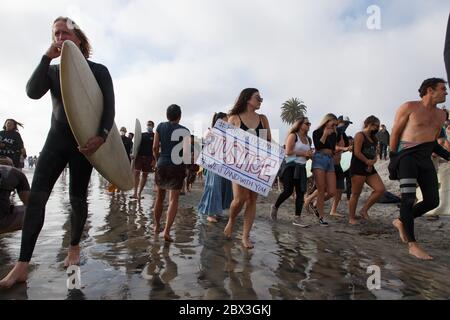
{"type": "Point", "coordinates": [345, 119]}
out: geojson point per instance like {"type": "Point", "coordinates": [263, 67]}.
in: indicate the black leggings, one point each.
{"type": "Point", "coordinates": [289, 183]}
{"type": "Point", "coordinates": [412, 171]}
{"type": "Point", "coordinates": [59, 150]}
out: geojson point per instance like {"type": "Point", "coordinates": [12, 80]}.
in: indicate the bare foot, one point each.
{"type": "Point", "coordinates": [247, 244]}
{"type": "Point", "coordinates": [336, 215]}
{"type": "Point", "coordinates": [364, 215]}
{"type": "Point", "coordinates": [73, 257]}
{"type": "Point", "coordinates": [212, 219]}
{"type": "Point", "coordinates": [418, 252]}
{"type": "Point", "coordinates": [19, 274]}
{"type": "Point", "coordinates": [157, 229]}
{"type": "Point", "coordinates": [167, 238]}
{"type": "Point", "coordinates": [401, 229]}
{"type": "Point", "coordinates": [353, 221]}
{"type": "Point", "coordinates": [228, 232]}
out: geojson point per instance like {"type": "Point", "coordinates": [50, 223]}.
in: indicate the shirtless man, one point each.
{"type": "Point", "coordinates": [413, 141]}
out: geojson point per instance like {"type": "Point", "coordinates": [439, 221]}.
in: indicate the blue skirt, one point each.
{"type": "Point", "coordinates": [217, 195]}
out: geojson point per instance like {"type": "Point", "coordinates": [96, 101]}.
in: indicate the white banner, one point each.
{"type": "Point", "coordinates": [241, 157]}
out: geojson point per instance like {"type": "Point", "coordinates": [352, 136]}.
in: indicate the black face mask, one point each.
{"type": "Point", "coordinates": [342, 129]}
{"type": "Point", "coordinates": [374, 132]}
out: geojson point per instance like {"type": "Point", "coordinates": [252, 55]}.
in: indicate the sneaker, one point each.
{"type": "Point", "coordinates": [323, 223]}
{"type": "Point", "coordinates": [274, 213]}
{"type": "Point", "coordinates": [298, 222]}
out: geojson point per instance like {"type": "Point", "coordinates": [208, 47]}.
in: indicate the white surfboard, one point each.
{"type": "Point", "coordinates": [83, 103]}
{"type": "Point", "coordinates": [444, 191]}
{"type": "Point", "coordinates": [136, 142]}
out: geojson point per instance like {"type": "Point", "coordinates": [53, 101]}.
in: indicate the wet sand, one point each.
{"type": "Point", "coordinates": [122, 259]}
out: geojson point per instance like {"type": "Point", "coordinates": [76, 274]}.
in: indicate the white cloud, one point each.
{"type": "Point", "coordinates": [200, 54]}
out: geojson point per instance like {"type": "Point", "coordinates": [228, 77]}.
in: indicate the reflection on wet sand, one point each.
{"type": "Point", "coordinates": [123, 259]}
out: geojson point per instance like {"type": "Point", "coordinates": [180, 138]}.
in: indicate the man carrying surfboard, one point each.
{"type": "Point", "coordinates": [61, 149]}
{"type": "Point", "coordinates": [413, 141]}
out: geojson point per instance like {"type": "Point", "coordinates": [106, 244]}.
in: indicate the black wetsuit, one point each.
{"type": "Point", "coordinates": [59, 150]}
{"type": "Point", "coordinates": [414, 166]}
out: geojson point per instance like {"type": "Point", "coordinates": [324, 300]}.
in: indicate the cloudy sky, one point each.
{"type": "Point", "coordinates": [201, 53]}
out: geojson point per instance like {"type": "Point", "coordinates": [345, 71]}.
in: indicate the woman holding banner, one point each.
{"type": "Point", "coordinates": [293, 173]}
{"type": "Point", "coordinates": [244, 116]}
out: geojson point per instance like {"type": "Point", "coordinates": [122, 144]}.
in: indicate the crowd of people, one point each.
{"type": "Point", "coordinates": [418, 126]}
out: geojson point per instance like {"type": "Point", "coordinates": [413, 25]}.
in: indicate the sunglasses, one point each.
{"type": "Point", "coordinates": [259, 99]}
{"type": "Point", "coordinates": [307, 123]}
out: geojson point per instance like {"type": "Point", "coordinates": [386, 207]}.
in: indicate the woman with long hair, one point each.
{"type": "Point", "coordinates": [218, 194]}
{"type": "Point", "coordinates": [11, 143]}
{"type": "Point", "coordinates": [293, 173]}
{"type": "Point", "coordinates": [325, 140]}
{"type": "Point", "coordinates": [244, 116]}
{"type": "Point", "coordinates": [363, 170]}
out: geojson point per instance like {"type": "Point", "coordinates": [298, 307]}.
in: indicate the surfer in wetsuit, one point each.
{"type": "Point", "coordinates": [413, 141]}
{"type": "Point", "coordinates": [61, 149]}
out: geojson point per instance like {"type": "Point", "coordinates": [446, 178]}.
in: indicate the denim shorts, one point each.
{"type": "Point", "coordinates": [323, 162]}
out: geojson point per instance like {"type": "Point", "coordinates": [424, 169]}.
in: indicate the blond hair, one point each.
{"type": "Point", "coordinates": [85, 46]}
{"type": "Point", "coordinates": [329, 117]}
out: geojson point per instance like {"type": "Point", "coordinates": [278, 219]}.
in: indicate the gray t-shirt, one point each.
{"type": "Point", "coordinates": [10, 179]}
{"type": "Point", "coordinates": [169, 131]}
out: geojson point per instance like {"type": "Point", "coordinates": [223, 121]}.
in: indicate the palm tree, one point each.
{"type": "Point", "coordinates": [292, 109]}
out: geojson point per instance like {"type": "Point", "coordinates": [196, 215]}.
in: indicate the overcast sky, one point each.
{"type": "Point", "coordinates": [201, 53]}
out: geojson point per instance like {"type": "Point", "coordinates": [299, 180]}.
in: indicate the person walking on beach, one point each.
{"type": "Point", "coordinates": [127, 142]}
{"type": "Point", "coordinates": [342, 145]}
{"type": "Point", "coordinates": [61, 149]}
{"type": "Point", "coordinates": [413, 141]}
{"type": "Point", "coordinates": [11, 143]}
{"type": "Point", "coordinates": [170, 170]}
{"type": "Point", "coordinates": [218, 193]}
{"type": "Point", "coordinates": [11, 217]}
{"type": "Point", "coordinates": [383, 142]}
{"type": "Point", "coordinates": [144, 162]}
{"type": "Point", "coordinates": [298, 152]}
{"type": "Point", "coordinates": [325, 141]}
{"type": "Point", "coordinates": [363, 170]}
{"type": "Point", "coordinates": [244, 116]}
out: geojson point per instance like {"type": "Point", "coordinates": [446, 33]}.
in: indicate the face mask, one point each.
{"type": "Point", "coordinates": [374, 132]}
{"type": "Point", "coordinates": [122, 133]}
{"type": "Point", "coordinates": [149, 129]}
{"type": "Point", "coordinates": [341, 128]}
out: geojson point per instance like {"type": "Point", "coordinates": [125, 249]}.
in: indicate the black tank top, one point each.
{"type": "Point", "coordinates": [258, 128]}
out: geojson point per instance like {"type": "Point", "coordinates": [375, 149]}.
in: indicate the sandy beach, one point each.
{"type": "Point", "coordinates": [122, 259]}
